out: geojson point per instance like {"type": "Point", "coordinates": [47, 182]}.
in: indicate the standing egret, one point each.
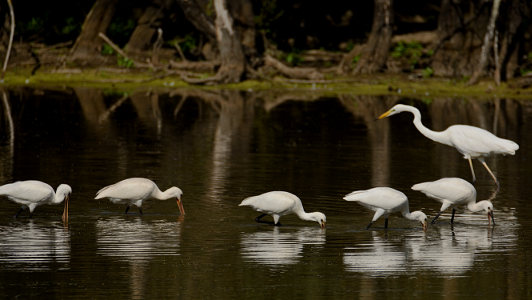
{"type": "Point", "coordinates": [279, 203]}
{"type": "Point", "coordinates": [472, 142]}
{"type": "Point", "coordinates": [135, 190]}
{"type": "Point", "coordinates": [452, 192]}
{"type": "Point", "coordinates": [32, 193]}
{"type": "Point", "coordinates": [385, 201]}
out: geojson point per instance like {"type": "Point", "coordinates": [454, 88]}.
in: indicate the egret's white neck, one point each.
{"type": "Point", "coordinates": [406, 212]}
{"type": "Point", "coordinates": [436, 136]}
{"type": "Point", "coordinates": [157, 194]}
{"type": "Point", "coordinates": [476, 206]}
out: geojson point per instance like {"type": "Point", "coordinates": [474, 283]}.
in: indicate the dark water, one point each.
{"type": "Point", "coordinates": [220, 147]}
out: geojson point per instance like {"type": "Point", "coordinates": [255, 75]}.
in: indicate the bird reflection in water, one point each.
{"type": "Point", "coordinates": [137, 241]}
{"type": "Point", "coordinates": [445, 250]}
{"type": "Point", "coordinates": [278, 247]}
{"type": "Point", "coordinates": [33, 246]}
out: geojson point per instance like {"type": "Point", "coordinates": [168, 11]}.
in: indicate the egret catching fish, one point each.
{"type": "Point", "coordinates": [471, 141]}
{"type": "Point", "coordinates": [279, 203]}
{"type": "Point", "coordinates": [32, 193]}
{"type": "Point", "coordinates": [453, 192]}
{"type": "Point", "coordinates": [133, 191]}
{"type": "Point", "coordinates": [385, 201]}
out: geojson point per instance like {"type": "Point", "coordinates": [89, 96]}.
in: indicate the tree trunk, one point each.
{"type": "Point", "coordinates": [231, 55]}
{"type": "Point", "coordinates": [459, 39]}
{"type": "Point", "coordinates": [375, 53]}
{"type": "Point", "coordinates": [88, 46]}
{"type": "Point", "coordinates": [486, 45]}
{"type": "Point", "coordinates": [195, 14]}
{"type": "Point", "coordinates": [142, 37]}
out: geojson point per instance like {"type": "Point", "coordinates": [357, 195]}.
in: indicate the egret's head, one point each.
{"type": "Point", "coordinates": [487, 207]}
{"type": "Point", "coordinates": [421, 217]}
{"type": "Point", "coordinates": [177, 193]}
{"type": "Point", "coordinates": [63, 192]}
{"type": "Point", "coordinates": [318, 217]}
{"type": "Point", "coordinates": [395, 110]}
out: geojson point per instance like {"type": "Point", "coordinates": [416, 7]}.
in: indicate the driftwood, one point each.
{"type": "Point", "coordinates": [122, 53]}
{"type": "Point", "coordinates": [301, 73]}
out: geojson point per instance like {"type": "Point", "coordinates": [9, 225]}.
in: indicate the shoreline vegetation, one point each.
{"type": "Point", "coordinates": [125, 80]}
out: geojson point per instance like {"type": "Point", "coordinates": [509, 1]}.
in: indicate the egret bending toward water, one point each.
{"type": "Point", "coordinates": [385, 201]}
{"type": "Point", "coordinates": [32, 193]}
{"type": "Point", "coordinates": [472, 142]}
{"type": "Point", "coordinates": [136, 190]}
{"type": "Point", "coordinates": [452, 192]}
{"type": "Point", "coordinates": [279, 203]}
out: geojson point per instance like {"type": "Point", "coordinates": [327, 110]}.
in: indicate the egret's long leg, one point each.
{"type": "Point", "coordinates": [481, 159]}
{"type": "Point", "coordinates": [127, 209]}
{"type": "Point", "coordinates": [258, 220]}
{"type": "Point", "coordinates": [18, 212]}
{"type": "Point", "coordinates": [437, 216]}
{"type": "Point", "coordinates": [369, 225]}
{"type": "Point", "coordinates": [386, 223]}
{"type": "Point", "coordinates": [140, 211]}
{"type": "Point", "coordinates": [472, 170]}
{"type": "Point", "coordinates": [452, 216]}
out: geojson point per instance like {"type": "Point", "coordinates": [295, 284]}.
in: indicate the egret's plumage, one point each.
{"type": "Point", "coordinates": [279, 203]}
{"type": "Point", "coordinates": [133, 191]}
{"type": "Point", "coordinates": [385, 201]}
{"type": "Point", "coordinates": [32, 193]}
{"type": "Point", "coordinates": [472, 142]}
{"type": "Point", "coordinates": [453, 192]}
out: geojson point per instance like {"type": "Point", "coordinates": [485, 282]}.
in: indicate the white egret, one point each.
{"type": "Point", "coordinates": [135, 190]}
{"type": "Point", "coordinates": [385, 201]}
{"type": "Point", "coordinates": [452, 192]}
{"type": "Point", "coordinates": [279, 203]}
{"type": "Point", "coordinates": [472, 142]}
{"type": "Point", "coordinates": [32, 193]}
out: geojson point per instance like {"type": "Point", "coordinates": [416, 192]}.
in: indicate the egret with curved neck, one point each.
{"type": "Point", "coordinates": [385, 201]}
{"type": "Point", "coordinates": [280, 203]}
{"type": "Point", "coordinates": [453, 192]}
{"type": "Point", "coordinates": [133, 191]}
{"type": "Point", "coordinates": [33, 193]}
{"type": "Point", "coordinates": [471, 141]}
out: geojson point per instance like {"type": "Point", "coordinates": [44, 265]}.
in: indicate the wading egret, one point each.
{"type": "Point", "coordinates": [32, 193]}
{"type": "Point", "coordinates": [452, 192]}
{"type": "Point", "coordinates": [135, 190]}
{"type": "Point", "coordinates": [279, 203]}
{"type": "Point", "coordinates": [471, 141]}
{"type": "Point", "coordinates": [385, 201]}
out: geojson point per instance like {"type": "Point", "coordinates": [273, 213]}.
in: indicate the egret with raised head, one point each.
{"type": "Point", "coordinates": [279, 203]}
{"type": "Point", "coordinates": [32, 193]}
{"type": "Point", "coordinates": [453, 192]}
{"type": "Point", "coordinates": [385, 201]}
{"type": "Point", "coordinates": [471, 141]}
{"type": "Point", "coordinates": [133, 191]}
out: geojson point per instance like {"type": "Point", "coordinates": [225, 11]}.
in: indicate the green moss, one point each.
{"type": "Point", "coordinates": [128, 81]}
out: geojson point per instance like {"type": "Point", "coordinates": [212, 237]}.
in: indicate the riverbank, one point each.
{"type": "Point", "coordinates": [124, 80]}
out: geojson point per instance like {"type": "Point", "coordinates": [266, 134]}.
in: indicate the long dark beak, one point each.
{"type": "Point", "coordinates": [424, 224]}
{"type": "Point", "coordinates": [180, 205]}
{"type": "Point", "coordinates": [65, 210]}
{"type": "Point", "coordinates": [322, 225]}
{"type": "Point", "coordinates": [490, 217]}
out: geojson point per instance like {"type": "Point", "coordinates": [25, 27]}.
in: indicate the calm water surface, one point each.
{"type": "Point", "coordinates": [220, 147]}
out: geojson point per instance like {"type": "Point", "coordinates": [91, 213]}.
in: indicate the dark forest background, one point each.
{"type": "Point", "coordinates": [234, 40]}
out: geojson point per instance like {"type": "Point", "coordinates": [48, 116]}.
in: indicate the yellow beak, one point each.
{"type": "Point", "coordinates": [65, 210]}
{"type": "Point", "coordinates": [384, 115]}
{"type": "Point", "coordinates": [180, 205]}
